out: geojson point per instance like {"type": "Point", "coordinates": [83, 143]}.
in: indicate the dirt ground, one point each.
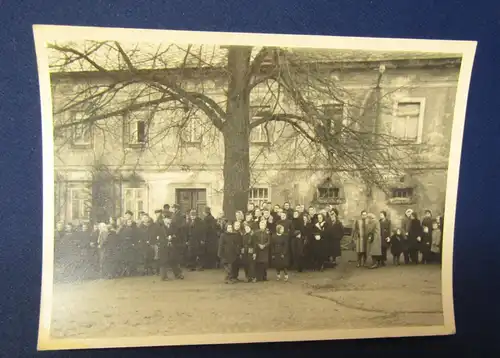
{"type": "Point", "coordinates": [341, 298]}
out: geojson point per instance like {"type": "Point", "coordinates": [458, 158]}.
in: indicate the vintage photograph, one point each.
{"type": "Point", "coordinates": [207, 188]}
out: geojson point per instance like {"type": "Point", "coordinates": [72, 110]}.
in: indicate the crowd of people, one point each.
{"type": "Point", "coordinates": [278, 237]}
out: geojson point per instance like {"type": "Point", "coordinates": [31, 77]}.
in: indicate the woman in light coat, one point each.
{"type": "Point", "coordinates": [374, 241]}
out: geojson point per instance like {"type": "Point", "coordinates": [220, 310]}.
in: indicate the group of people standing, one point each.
{"type": "Point", "coordinates": [279, 237]}
{"type": "Point", "coordinates": [417, 241]}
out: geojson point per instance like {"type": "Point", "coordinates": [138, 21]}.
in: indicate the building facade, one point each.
{"type": "Point", "coordinates": [128, 162]}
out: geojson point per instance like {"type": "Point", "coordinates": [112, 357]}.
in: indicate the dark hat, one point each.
{"type": "Point", "coordinates": [128, 212]}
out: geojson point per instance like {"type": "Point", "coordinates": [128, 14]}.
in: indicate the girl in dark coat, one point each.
{"type": "Point", "coordinates": [396, 242]}
{"type": "Point", "coordinates": [414, 238]}
{"type": "Point", "coordinates": [320, 243]}
{"type": "Point", "coordinates": [229, 251]}
{"type": "Point", "coordinates": [262, 242]}
{"type": "Point", "coordinates": [279, 252]}
{"type": "Point", "coordinates": [248, 254]}
{"type": "Point", "coordinates": [112, 250]}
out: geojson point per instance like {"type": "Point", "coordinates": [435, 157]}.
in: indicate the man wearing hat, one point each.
{"type": "Point", "coordinates": [196, 237]}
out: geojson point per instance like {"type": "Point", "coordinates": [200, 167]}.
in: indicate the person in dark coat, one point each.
{"type": "Point", "coordinates": [262, 238]}
{"type": "Point", "coordinates": [248, 253]}
{"type": "Point", "coordinates": [396, 242]}
{"type": "Point", "coordinates": [147, 238]}
{"type": "Point", "coordinates": [360, 238]}
{"type": "Point", "coordinates": [306, 233]}
{"type": "Point", "coordinates": [288, 210]}
{"type": "Point", "coordinates": [427, 220]}
{"type": "Point", "coordinates": [320, 243]}
{"type": "Point", "coordinates": [336, 235]}
{"type": "Point", "coordinates": [168, 251]}
{"type": "Point", "coordinates": [385, 234]}
{"type": "Point", "coordinates": [414, 238]}
{"type": "Point", "coordinates": [196, 238]}
{"type": "Point", "coordinates": [297, 242]}
{"type": "Point", "coordinates": [229, 251]}
{"type": "Point", "coordinates": [211, 239]}
{"type": "Point", "coordinates": [280, 252]}
{"type": "Point", "coordinates": [112, 252]}
{"type": "Point", "coordinates": [129, 242]}
{"type": "Point", "coordinates": [425, 245]}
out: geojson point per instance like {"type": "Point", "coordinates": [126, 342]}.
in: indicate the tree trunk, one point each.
{"type": "Point", "coordinates": [236, 133]}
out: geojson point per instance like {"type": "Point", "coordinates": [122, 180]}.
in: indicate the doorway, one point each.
{"type": "Point", "coordinates": [191, 199]}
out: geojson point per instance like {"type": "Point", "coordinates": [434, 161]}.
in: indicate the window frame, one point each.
{"type": "Point", "coordinates": [82, 205]}
{"type": "Point", "coordinates": [135, 189]}
{"type": "Point", "coordinates": [191, 127]}
{"type": "Point", "coordinates": [264, 137]}
{"type": "Point", "coordinates": [420, 125]}
{"type": "Point", "coordinates": [77, 117]}
{"type": "Point", "coordinates": [400, 200]}
{"type": "Point", "coordinates": [258, 201]}
{"type": "Point", "coordinates": [130, 122]}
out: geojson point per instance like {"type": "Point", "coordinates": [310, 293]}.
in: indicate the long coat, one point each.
{"type": "Point", "coordinates": [147, 238]}
{"type": "Point", "coordinates": [397, 243]}
{"type": "Point", "coordinates": [374, 239]}
{"type": "Point", "coordinates": [385, 232]}
{"type": "Point", "coordinates": [229, 247]}
{"type": "Point", "coordinates": [169, 247]}
{"type": "Point", "coordinates": [280, 251]}
{"type": "Point", "coordinates": [262, 237]}
{"type": "Point", "coordinates": [336, 235]}
{"type": "Point", "coordinates": [211, 236]}
{"type": "Point", "coordinates": [248, 247]}
{"type": "Point", "coordinates": [129, 240]}
{"type": "Point", "coordinates": [359, 236]}
{"type": "Point", "coordinates": [297, 243]}
{"type": "Point", "coordinates": [196, 237]}
{"type": "Point", "coordinates": [321, 240]}
{"type": "Point", "coordinates": [415, 231]}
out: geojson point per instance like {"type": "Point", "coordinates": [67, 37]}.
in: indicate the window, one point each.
{"type": "Point", "coordinates": [258, 196]}
{"type": "Point", "coordinates": [134, 199]}
{"type": "Point", "coordinates": [136, 128]}
{"type": "Point", "coordinates": [334, 113]}
{"type": "Point", "coordinates": [259, 133]}
{"type": "Point", "coordinates": [79, 203]}
{"type": "Point", "coordinates": [404, 193]}
{"type": "Point", "coordinates": [329, 193]}
{"type": "Point", "coordinates": [81, 131]}
{"type": "Point", "coordinates": [408, 120]}
{"type": "Point", "coordinates": [193, 131]}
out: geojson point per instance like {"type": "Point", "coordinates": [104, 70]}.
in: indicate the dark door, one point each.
{"type": "Point", "coordinates": [191, 199]}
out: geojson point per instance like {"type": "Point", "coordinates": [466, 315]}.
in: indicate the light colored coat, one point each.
{"type": "Point", "coordinates": [375, 241]}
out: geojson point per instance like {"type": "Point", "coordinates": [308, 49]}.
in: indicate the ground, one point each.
{"type": "Point", "coordinates": [343, 298]}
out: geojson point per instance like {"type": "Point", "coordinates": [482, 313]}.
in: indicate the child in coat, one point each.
{"type": "Point", "coordinates": [396, 242]}
{"type": "Point", "coordinates": [279, 252]}
{"type": "Point", "coordinates": [248, 254]}
{"type": "Point", "coordinates": [436, 242]}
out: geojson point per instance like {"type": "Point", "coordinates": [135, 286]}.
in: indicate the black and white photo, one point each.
{"type": "Point", "coordinates": [207, 188]}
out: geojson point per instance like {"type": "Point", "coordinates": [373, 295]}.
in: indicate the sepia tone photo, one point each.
{"type": "Point", "coordinates": [207, 188]}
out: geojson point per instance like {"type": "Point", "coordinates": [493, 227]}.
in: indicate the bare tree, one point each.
{"type": "Point", "coordinates": [297, 100]}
